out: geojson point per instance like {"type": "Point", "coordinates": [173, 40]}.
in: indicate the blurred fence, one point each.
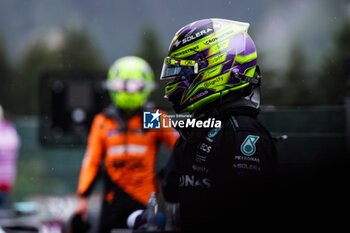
{"type": "Point", "coordinates": [316, 135]}
{"type": "Point", "coordinates": [43, 170]}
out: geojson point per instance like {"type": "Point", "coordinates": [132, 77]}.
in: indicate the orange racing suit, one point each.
{"type": "Point", "coordinates": [128, 152]}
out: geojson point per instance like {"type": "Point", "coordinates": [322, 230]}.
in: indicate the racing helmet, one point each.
{"type": "Point", "coordinates": [130, 81]}
{"type": "Point", "coordinates": [207, 60]}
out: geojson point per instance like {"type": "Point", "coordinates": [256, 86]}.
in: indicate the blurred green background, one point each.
{"type": "Point", "coordinates": [303, 50]}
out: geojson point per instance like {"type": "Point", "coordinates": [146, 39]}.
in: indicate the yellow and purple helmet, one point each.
{"type": "Point", "coordinates": [130, 81]}
{"type": "Point", "coordinates": [207, 60]}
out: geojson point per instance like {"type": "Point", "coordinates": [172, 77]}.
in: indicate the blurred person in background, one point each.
{"type": "Point", "coordinates": [9, 145]}
{"type": "Point", "coordinates": [118, 141]}
{"type": "Point", "coordinates": [222, 177]}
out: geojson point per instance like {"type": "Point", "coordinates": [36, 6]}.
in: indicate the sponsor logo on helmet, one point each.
{"type": "Point", "coordinates": [219, 47]}
{"type": "Point", "coordinates": [199, 95]}
{"type": "Point", "coordinates": [212, 72]}
{"type": "Point", "coordinates": [190, 36]}
{"type": "Point", "coordinates": [210, 41]}
{"type": "Point", "coordinates": [213, 82]}
{"type": "Point", "coordinates": [186, 51]}
{"type": "Point", "coordinates": [177, 42]}
{"type": "Point", "coordinates": [217, 59]}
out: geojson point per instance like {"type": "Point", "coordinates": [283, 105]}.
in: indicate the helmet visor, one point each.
{"type": "Point", "coordinates": [127, 85]}
{"type": "Point", "coordinates": [173, 68]}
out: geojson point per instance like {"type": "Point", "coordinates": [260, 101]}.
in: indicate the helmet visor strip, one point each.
{"type": "Point", "coordinates": [127, 85]}
{"type": "Point", "coordinates": [173, 68]}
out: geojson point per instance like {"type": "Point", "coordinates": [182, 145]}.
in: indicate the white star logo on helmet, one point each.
{"type": "Point", "coordinates": [177, 42]}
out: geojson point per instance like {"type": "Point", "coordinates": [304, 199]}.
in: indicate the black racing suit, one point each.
{"type": "Point", "coordinates": [222, 178]}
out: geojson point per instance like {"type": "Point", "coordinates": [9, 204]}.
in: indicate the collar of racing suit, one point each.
{"type": "Point", "coordinates": [121, 117]}
{"type": "Point", "coordinates": [223, 108]}
{"type": "Point", "coordinates": [244, 105]}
